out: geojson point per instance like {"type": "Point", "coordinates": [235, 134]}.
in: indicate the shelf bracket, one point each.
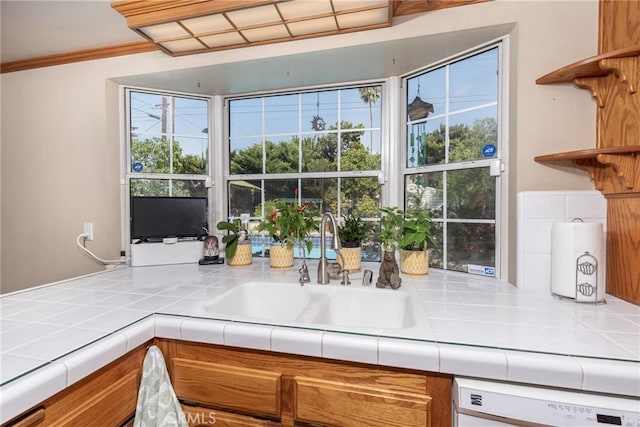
{"type": "Point", "coordinates": [606, 167]}
{"type": "Point", "coordinates": [626, 69]}
{"type": "Point", "coordinates": [625, 166]}
{"type": "Point", "coordinates": [596, 86]}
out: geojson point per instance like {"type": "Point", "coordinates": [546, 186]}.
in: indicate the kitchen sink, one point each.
{"type": "Point", "coordinates": [366, 307]}
{"type": "Point", "coordinates": [331, 306]}
{"type": "Point", "coordinates": [262, 300]}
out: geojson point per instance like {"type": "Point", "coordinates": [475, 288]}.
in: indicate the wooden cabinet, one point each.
{"type": "Point", "coordinates": [248, 387]}
{"type": "Point", "coordinates": [105, 398]}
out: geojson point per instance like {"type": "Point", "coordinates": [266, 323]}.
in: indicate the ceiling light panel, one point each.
{"type": "Point", "coordinates": [342, 5]}
{"type": "Point", "coordinates": [181, 27]}
{"type": "Point", "coordinates": [266, 33]}
{"type": "Point", "coordinates": [164, 31]}
{"type": "Point", "coordinates": [254, 16]}
{"type": "Point", "coordinates": [224, 39]}
{"type": "Point", "coordinates": [184, 45]}
{"type": "Point", "coordinates": [304, 8]}
{"type": "Point", "coordinates": [312, 26]}
{"type": "Point", "coordinates": [207, 24]}
{"type": "Point", "coordinates": [359, 19]}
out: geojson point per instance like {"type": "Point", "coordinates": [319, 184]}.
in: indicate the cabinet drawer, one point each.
{"type": "Point", "coordinates": [230, 387]}
{"type": "Point", "coordinates": [340, 404]}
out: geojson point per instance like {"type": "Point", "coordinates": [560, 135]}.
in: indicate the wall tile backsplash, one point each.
{"type": "Point", "coordinates": [537, 211]}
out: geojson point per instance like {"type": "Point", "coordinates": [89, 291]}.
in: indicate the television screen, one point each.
{"type": "Point", "coordinates": [155, 218]}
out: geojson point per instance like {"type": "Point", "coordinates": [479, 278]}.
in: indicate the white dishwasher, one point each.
{"type": "Point", "coordinates": [480, 403]}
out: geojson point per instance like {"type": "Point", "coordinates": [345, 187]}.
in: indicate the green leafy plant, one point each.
{"type": "Point", "coordinates": [416, 231]}
{"type": "Point", "coordinates": [391, 222]}
{"type": "Point", "coordinates": [236, 235]}
{"type": "Point", "coordinates": [353, 231]}
{"type": "Point", "coordinates": [289, 223]}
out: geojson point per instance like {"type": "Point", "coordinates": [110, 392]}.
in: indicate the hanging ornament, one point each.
{"type": "Point", "coordinates": [318, 123]}
{"type": "Point", "coordinates": [418, 109]}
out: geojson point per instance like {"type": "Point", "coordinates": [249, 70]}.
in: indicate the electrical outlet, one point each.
{"type": "Point", "coordinates": [87, 228]}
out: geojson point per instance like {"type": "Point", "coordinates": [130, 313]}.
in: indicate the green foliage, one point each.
{"type": "Point", "coordinates": [410, 231]}
{"type": "Point", "coordinates": [391, 227]}
{"type": "Point", "coordinates": [353, 231]}
{"type": "Point", "coordinates": [235, 232]}
{"type": "Point", "coordinates": [154, 154]}
{"type": "Point", "coordinates": [416, 231]}
{"type": "Point", "coordinates": [289, 223]}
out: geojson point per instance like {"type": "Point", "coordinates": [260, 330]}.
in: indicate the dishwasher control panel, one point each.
{"type": "Point", "coordinates": [515, 403]}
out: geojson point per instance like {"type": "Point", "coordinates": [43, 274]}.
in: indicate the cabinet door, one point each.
{"type": "Point", "coordinates": [206, 417]}
{"type": "Point", "coordinates": [340, 404]}
{"type": "Point", "coordinates": [229, 387]}
{"type": "Point", "coordinates": [108, 408]}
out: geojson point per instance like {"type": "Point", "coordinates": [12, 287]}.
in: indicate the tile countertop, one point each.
{"type": "Point", "coordinates": [54, 335]}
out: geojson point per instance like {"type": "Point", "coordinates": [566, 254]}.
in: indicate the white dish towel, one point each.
{"type": "Point", "coordinates": [157, 405]}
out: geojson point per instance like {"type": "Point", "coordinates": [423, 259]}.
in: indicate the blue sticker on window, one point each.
{"type": "Point", "coordinates": [489, 150]}
{"type": "Point", "coordinates": [137, 167]}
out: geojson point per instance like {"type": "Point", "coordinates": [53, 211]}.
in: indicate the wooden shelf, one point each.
{"type": "Point", "coordinates": [590, 67]}
{"type": "Point", "coordinates": [587, 154]}
{"type": "Point", "coordinates": [614, 170]}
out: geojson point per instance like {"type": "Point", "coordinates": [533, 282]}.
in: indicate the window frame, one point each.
{"type": "Point", "coordinates": [501, 211]}
{"type": "Point", "coordinates": [126, 175]}
{"type": "Point", "coordinates": [376, 173]}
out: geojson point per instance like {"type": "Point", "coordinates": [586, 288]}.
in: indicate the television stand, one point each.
{"type": "Point", "coordinates": [159, 253]}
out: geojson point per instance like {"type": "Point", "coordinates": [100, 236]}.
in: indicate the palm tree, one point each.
{"type": "Point", "coordinates": [370, 95]}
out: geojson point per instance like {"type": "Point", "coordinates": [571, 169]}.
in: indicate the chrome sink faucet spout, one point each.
{"type": "Point", "coordinates": [323, 265]}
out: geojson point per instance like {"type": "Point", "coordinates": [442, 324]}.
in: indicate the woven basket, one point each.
{"type": "Point", "coordinates": [414, 262]}
{"type": "Point", "coordinates": [352, 259]}
{"type": "Point", "coordinates": [281, 256]}
{"type": "Point", "coordinates": [242, 257]}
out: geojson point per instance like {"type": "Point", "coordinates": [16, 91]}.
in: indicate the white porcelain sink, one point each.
{"type": "Point", "coordinates": [260, 300]}
{"type": "Point", "coordinates": [366, 307]}
{"type": "Point", "coordinates": [322, 305]}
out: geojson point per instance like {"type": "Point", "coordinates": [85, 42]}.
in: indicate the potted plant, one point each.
{"type": "Point", "coordinates": [238, 248]}
{"type": "Point", "coordinates": [352, 232]}
{"type": "Point", "coordinates": [390, 228]}
{"type": "Point", "coordinates": [287, 224]}
{"type": "Point", "coordinates": [415, 237]}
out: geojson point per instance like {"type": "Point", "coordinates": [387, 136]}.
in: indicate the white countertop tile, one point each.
{"type": "Point", "coordinates": [360, 348]}
{"type": "Point", "coordinates": [474, 326]}
{"type": "Point", "coordinates": [32, 389]}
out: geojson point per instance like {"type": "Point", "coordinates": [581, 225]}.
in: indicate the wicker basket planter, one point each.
{"type": "Point", "coordinates": [242, 257]}
{"type": "Point", "coordinates": [352, 259]}
{"type": "Point", "coordinates": [414, 262]}
{"type": "Point", "coordinates": [281, 256]}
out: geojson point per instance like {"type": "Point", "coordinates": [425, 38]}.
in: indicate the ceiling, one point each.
{"type": "Point", "coordinates": [31, 29]}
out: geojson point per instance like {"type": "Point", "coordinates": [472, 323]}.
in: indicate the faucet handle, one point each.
{"type": "Point", "coordinates": [304, 274]}
{"type": "Point", "coordinates": [345, 277]}
{"type": "Point", "coordinates": [367, 278]}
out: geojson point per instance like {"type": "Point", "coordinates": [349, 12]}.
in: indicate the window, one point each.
{"type": "Point", "coordinates": [451, 143]}
{"type": "Point", "coordinates": [167, 145]}
{"type": "Point", "coordinates": [317, 148]}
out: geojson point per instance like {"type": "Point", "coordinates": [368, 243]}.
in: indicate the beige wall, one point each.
{"type": "Point", "coordinates": [61, 142]}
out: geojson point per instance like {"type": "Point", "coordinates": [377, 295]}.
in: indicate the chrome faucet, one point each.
{"type": "Point", "coordinates": [323, 265]}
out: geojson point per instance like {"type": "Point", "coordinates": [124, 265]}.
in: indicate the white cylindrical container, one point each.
{"type": "Point", "coordinates": [578, 261]}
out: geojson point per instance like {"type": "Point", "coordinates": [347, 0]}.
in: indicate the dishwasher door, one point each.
{"type": "Point", "coordinates": [480, 403]}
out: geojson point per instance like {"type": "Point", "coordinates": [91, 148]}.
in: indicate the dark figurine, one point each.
{"type": "Point", "coordinates": [210, 252]}
{"type": "Point", "coordinates": [389, 272]}
{"type": "Point", "coordinates": [211, 247]}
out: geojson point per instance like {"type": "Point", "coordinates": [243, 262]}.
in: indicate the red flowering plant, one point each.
{"type": "Point", "coordinates": [289, 223]}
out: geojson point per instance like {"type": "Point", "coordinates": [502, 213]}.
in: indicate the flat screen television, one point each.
{"type": "Point", "coordinates": [156, 218]}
